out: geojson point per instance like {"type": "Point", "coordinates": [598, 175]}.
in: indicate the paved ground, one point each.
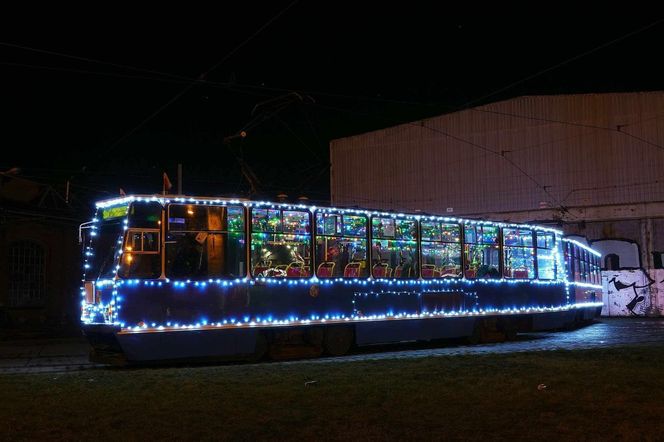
{"type": "Point", "coordinates": [43, 354]}
{"type": "Point", "coordinates": [605, 332]}
{"type": "Point", "coordinates": [65, 354]}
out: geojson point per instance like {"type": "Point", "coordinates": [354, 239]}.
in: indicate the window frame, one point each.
{"type": "Point", "coordinates": [553, 252]}
{"type": "Point", "coordinates": [441, 241]}
{"type": "Point", "coordinates": [142, 230]}
{"type": "Point", "coordinates": [532, 248]}
{"type": "Point", "coordinates": [14, 293]}
{"type": "Point", "coordinates": [416, 254]}
{"type": "Point", "coordinates": [342, 229]}
{"type": "Point", "coordinates": [249, 224]}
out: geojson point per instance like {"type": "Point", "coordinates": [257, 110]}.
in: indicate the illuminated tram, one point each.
{"type": "Point", "coordinates": [169, 278]}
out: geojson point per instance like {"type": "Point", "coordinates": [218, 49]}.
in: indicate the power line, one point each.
{"type": "Point", "coordinates": [572, 123]}
{"type": "Point", "coordinates": [491, 151]}
{"type": "Point", "coordinates": [193, 83]}
{"type": "Point", "coordinates": [174, 78]}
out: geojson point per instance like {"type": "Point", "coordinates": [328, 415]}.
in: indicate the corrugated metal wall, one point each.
{"type": "Point", "coordinates": [572, 150]}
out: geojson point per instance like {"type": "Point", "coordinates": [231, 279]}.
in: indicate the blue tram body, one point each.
{"type": "Point", "coordinates": [177, 277]}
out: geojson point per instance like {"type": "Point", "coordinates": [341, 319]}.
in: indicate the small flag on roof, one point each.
{"type": "Point", "coordinates": [167, 183]}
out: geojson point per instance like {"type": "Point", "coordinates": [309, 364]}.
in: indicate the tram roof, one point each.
{"type": "Point", "coordinates": [166, 199]}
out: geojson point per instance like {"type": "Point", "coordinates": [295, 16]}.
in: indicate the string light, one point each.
{"type": "Point", "coordinates": [108, 310]}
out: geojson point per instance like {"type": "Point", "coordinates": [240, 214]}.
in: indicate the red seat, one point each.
{"type": "Point", "coordinates": [381, 271]}
{"type": "Point", "coordinates": [325, 270]}
{"type": "Point", "coordinates": [521, 273]}
{"type": "Point", "coordinates": [430, 271]}
{"type": "Point", "coordinates": [453, 271]}
{"type": "Point", "coordinates": [352, 270]}
{"type": "Point", "coordinates": [294, 271]}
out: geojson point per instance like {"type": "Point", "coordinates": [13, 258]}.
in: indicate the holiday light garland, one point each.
{"type": "Point", "coordinates": [109, 311]}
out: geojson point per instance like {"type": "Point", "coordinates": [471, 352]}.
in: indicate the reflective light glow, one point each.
{"type": "Point", "coordinates": [583, 246]}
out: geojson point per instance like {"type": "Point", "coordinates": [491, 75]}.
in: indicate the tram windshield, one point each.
{"type": "Point", "coordinates": [104, 249]}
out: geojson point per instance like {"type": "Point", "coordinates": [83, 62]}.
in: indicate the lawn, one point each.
{"type": "Point", "coordinates": [596, 394]}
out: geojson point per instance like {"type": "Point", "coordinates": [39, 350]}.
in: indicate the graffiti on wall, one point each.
{"type": "Point", "coordinates": [632, 292]}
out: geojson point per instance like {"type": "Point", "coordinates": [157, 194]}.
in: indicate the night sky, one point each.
{"type": "Point", "coordinates": [83, 83]}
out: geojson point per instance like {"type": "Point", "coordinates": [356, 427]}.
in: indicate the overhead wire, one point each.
{"type": "Point", "coordinates": [202, 76]}
{"type": "Point", "coordinates": [202, 80]}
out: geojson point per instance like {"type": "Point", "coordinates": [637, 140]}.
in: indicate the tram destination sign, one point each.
{"type": "Point", "coordinates": [114, 212]}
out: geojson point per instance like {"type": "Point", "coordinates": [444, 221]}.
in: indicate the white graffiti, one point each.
{"type": "Point", "coordinates": [633, 292]}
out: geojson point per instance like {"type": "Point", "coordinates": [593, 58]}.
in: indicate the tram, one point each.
{"type": "Point", "coordinates": [173, 277]}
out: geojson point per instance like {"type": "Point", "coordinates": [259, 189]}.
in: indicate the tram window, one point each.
{"type": "Point", "coordinates": [518, 252]}
{"type": "Point", "coordinates": [106, 251]}
{"type": "Point", "coordinates": [296, 222]}
{"type": "Point", "coordinates": [328, 224]}
{"type": "Point", "coordinates": [576, 258]}
{"type": "Point", "coordinates": [140, 257]}
{"type": "Point", "coordinates": [481, 251]}
{"type": "Point", "coordinates": [569, 261]}
{"type": "Point", "coordinates": [596, 277]}
{"type": "Point", "coordinates": [546, 256]}
{"type": "Point", "coordinates": [394, 252]}
{"type": "Point", "coordinates": [355, 225]}
{"type": "Point", "coordinates": [441, 249]}
{"type": "Point", "coordinates": [145, 215]}
{"type": "Point", "coordinates": [280, 243]}
{"type": "Point", "coordinates": [194, 218]}
{"type": "Point", "coordinates": [341, 245]}
{"type": "Point", "coordinates": [205, 241]}
{"type": "Point", "coordinates": [266, 220]}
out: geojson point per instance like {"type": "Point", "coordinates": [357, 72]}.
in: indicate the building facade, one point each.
{"type": "Point", "coordinates": [589, 163]}
{"type": "Point", "coordinates": [40, 268]}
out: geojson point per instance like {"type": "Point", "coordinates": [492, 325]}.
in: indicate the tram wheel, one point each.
{"type": "Point", "coordinates": [338, 340]}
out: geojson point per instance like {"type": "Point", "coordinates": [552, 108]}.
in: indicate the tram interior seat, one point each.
{"type": "Point", "coordinates": [452, 271]}
{"type": "Point", "coordinates": [258, 270]}
{"type": "Point", "coordinates": [398, 272]}
{"type": "Point", "coordinates": [325, 269]}
{"type": "Point", "coordinates": [429, 271]}
{"type": "Point", "coordinates": [381, 270]}
{"type": "Point", "coordinates": [470, 273]}
{"type": "Point", "coordinates": [352, 270]}
{"type": "Point", "coordinates": [295, 269]}
{"type": "Point", "coordinates": [520, 273]}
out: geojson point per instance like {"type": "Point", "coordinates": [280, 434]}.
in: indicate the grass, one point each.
{"type": "Point", "coordinates": [590, 395]}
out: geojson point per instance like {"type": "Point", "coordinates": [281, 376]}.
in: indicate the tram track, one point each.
{"type": "Point", "coordinates": [602, 334]}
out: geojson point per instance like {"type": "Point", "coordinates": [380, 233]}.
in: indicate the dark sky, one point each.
{"type": "Point", "coordinates": [318, 71]}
